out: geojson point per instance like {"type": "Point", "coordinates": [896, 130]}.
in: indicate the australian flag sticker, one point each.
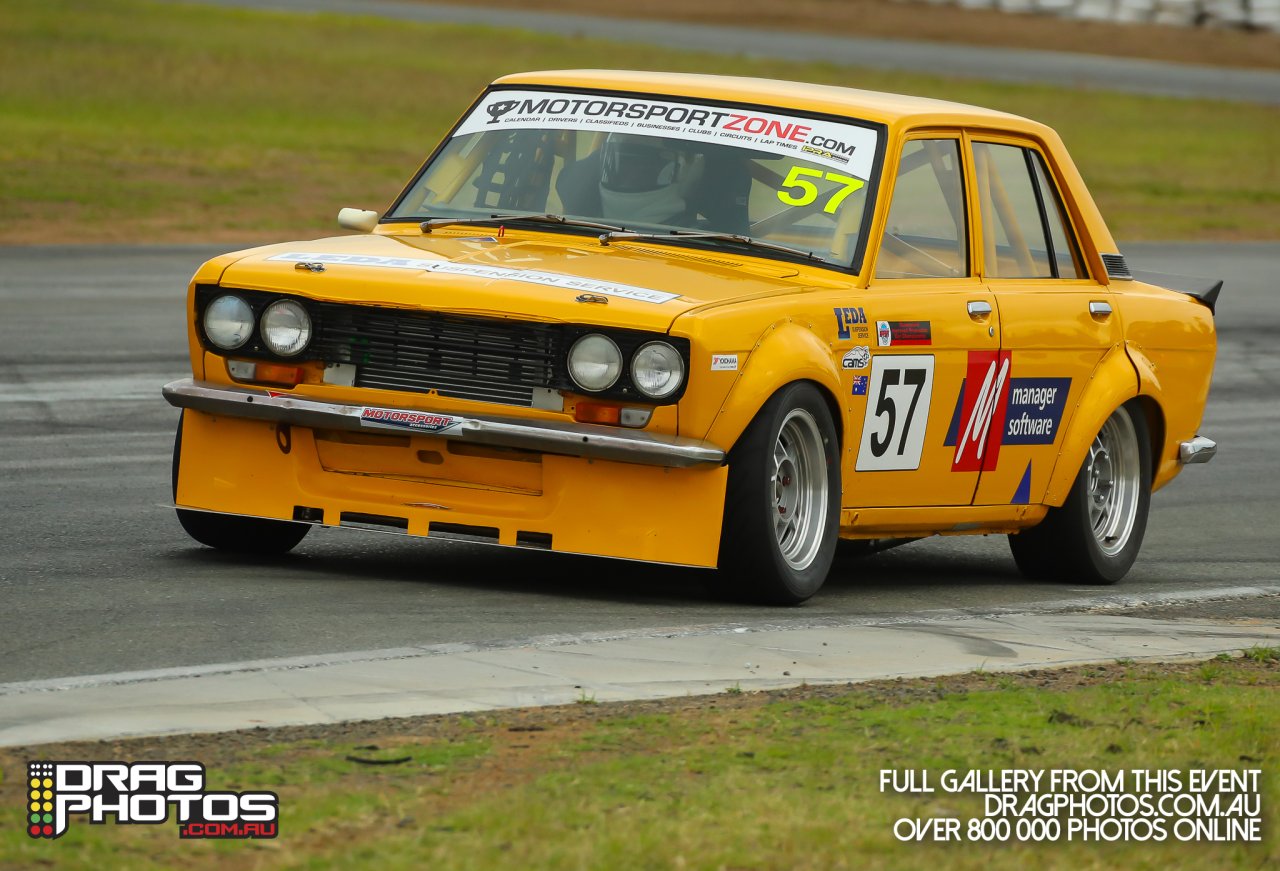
{"type": "Point", "coordinates": [859, 385]}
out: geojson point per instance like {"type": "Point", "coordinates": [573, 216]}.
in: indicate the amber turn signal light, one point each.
{"type": "Point", "coordinates": [595, 412]}
{"type": "Point", "coordinates": [265, 373]}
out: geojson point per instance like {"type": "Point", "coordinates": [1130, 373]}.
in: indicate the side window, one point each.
{"type": "Point", "coordinates": [1013, 234]}
{"type": "Point", "coordinates": [1066, 256]}
{"type": "Point", "coordinates": [1025, 232]}
{"type": "Point", "coordinates": [926, 235]}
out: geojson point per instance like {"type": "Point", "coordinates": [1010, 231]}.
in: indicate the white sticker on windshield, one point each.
{"type": "Point", "coordinates": [823, 142]}
{"type": "Point", "coordinates": [492, 273]}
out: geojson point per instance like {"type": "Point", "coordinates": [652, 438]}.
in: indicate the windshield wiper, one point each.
{"type": "Point", "coordinates": [606, 238]}
{"type": "Point", "coordinates": [429, 225]}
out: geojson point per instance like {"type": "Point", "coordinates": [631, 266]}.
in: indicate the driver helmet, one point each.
{"type": "Point", "coordinates": [646, 178]}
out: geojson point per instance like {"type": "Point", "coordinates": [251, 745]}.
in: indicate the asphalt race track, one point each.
{"type": "Point", "coordinates": [97, 578]}
{"type": "Point", "coordinates": [1125, 75]}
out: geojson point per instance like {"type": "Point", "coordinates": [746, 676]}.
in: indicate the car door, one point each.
{"type": "Point", "coordinates": [1056, 324]}
{"type": "Point", "coordinates": [927, 312]}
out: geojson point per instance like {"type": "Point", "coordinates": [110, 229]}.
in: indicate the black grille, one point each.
{"type": "Point", "coordinates": [488, 360]}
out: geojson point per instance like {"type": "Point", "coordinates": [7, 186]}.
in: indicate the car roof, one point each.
{"type": "Point", "coordinates": [897, 110]}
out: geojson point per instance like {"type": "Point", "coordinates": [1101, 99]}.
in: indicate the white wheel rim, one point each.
{"type": "Point", "coordinates": [799, 479]}
{"type": "Point", "coordinates": [1113, 477]}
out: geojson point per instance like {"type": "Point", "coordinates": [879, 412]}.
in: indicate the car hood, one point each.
{"type": "Point", "coordinates": [535, 276]}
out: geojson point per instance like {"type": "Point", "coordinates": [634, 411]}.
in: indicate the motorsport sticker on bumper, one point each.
{"type": "Point", "coordinates": [489, 273]}
{"type": "Point", "coordinates": [420, 421]}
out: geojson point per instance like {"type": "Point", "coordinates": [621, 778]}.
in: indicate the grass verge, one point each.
{"type": "Point", "coordinates": [785, 779]}
{"type": "Point", "coordinates": [132, 121]}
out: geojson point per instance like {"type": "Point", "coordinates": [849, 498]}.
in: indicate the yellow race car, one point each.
{"type": "Point", "coordinates": [706, 321]}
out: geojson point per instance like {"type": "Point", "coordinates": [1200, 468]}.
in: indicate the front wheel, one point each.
{"type": "Point", "coordinates": [782, 503]}
{"type": "Point", "coordinates": [253, 535]}
{"type": "Point", "coordinates": [1095, 536]}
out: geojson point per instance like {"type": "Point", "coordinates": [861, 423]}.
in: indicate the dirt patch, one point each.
{"type": "Point", "coordinates": [917, 21]}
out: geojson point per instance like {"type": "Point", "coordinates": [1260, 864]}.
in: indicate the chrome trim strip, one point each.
{"type": "Point", "coordinates": [578, 440]}
{"type": "Point", "coordinates": [1198, 450]}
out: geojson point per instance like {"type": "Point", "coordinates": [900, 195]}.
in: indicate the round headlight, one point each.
{"type": "Point", "coordinates": [228, 322]}
{"type": "Point", "coordinates": [595, 362]}
{"type": "Point", "coordinates": [286, 327]}
{"type": "Point", "coordinates": [657, 370]}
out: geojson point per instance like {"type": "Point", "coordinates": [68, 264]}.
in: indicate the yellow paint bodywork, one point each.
{"type": "Point", "coordinates": [777, 316]}
{"type": "Point", "coordinates": [591, 507]}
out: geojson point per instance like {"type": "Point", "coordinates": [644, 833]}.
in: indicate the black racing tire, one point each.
{"type": "Point", "coordinates": [232, 533]}
{"type": "Point", "coordinates": [787, 460]}
{"type": "Point", "coordinates": [1095, 536]}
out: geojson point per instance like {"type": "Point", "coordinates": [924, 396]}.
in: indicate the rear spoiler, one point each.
{"type": "Point", "coordinates": [1206, 290]}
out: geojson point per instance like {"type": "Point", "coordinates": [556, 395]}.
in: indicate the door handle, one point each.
{"type": "Point", "coordinates": [1100, 309]}
{"type": "Point", "coordinates": [979, 308]}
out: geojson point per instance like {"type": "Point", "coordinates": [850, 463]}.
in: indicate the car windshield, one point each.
{"type": "Point", "coordinates": [656, 166]}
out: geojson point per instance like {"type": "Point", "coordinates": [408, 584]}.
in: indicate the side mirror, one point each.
{"type": "Point", "coordinates": [357, 219]}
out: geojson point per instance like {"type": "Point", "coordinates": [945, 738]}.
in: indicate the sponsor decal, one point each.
{"type": "Point", "coordinates": [859, 385]}
{"type": "Point", "coordinates": [856, 358]}
{"type": "Point", "coordinates": [143, 793]}
{"type": "Point", "coordinates": [994, 409]}
{"type": "Point", "coordinates": [724, 362]}
{"type": "Point", "coordinates": [420, 421]}
{"type": "Point", "coordinates": [824, 154]}
{"type": "Point", "coordinates": [493, 273]}
{"type": "Point", "coordinates": [851, 321]}
{"type": "Point", "coordinates": [817, 140]}
{"type": "Point", "coordinates": [362, 260]}
{"type": "Point", "coordinates": [500, 108]}
{"type": "Point", "coordinates": [982, 409]}
{"type": "Point", "coordinates": [1035, 409]}
{"type": "Point", "coordinates": [903, 333]}
{"type": "Point", "coordinates": [1022, 496]}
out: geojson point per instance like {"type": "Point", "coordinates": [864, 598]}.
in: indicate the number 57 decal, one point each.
{"type": "Point", "coordinates": [808, 191]}
{"type": "Point", "coordinates": [897, 413]}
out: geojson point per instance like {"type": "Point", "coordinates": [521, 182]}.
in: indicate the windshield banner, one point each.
{"type": "Point", "coordinates": [827, 143]}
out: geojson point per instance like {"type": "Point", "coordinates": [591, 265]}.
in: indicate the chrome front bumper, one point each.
{"type": "Point", "coordinates": [577, 440]}
{"type": "Point", "coordinates": [1198, 450]}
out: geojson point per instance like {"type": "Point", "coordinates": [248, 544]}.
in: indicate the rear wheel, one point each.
{"type": "Point", "coordinates": [782, 505]}
{"type": "Point", "coordinates": [229, 532]}
{"type": "Point", "coordinates": [1095, 536]}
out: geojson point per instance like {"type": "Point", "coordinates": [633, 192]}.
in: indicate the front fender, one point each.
{"type": "Point", "coordinates": [784, 353]}
{"type": "Point", "coordinates": [1113, 383]}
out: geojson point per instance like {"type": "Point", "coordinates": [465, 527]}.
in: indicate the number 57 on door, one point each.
{"type": "Point", "coordinates": [897, 413]}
